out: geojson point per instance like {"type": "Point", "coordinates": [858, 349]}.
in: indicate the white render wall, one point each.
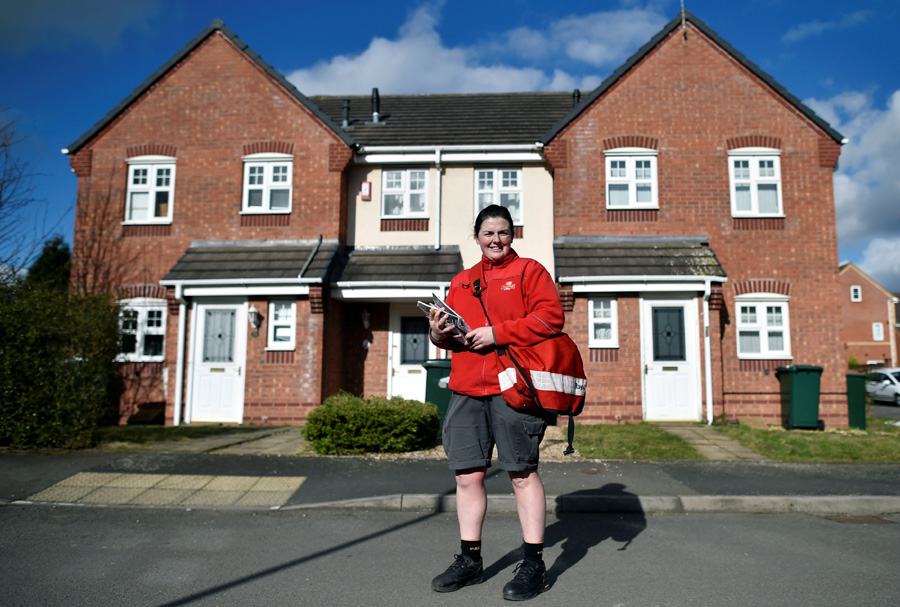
{"type": "Point", "coordinates": [458, 185]}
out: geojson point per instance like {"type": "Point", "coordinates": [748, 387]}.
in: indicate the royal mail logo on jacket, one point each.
{"type": "Point", "coordinates": [509, 285]}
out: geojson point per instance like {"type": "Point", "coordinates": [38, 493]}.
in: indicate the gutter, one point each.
{"type": "Point", "coordinates": [646, 278]}
{"type": "Point", "coordinates": [892, 325]}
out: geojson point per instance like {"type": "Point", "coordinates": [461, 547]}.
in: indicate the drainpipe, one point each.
{"type": "Point", "coordinates": [179, 356]}
{"type": "Point", "coordinates": [892, 326]}
{"type": "Point", "coordinates": [438, 199]}
{"type": "Point", "coordinates": [707, 362]}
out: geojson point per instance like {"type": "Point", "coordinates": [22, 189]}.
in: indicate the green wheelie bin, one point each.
{"type": "Point", "coordinates": [436, 370]}
{"type": "Point", "coordinates": [800, 396]}
{"type": "Point", "coordinates": [856, 401]}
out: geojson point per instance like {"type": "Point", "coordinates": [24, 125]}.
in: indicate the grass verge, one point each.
{"type": "Point", "coordinates": [641, 441]}
{"type": "Point", "coordinates": [879, 443]}
{"type": "Point", "coordinates": [135, 438]}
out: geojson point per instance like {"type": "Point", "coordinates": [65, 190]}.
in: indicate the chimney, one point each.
{"type": "Point", "coordinates": [576, 97]}
{"type": "Point", "coordinates": [346, 113]}
{"type": "Point", "coordinates": [376, 106]}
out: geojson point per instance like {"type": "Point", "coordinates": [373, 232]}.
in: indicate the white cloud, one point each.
{"type": "Point", "coordinates": [30, 24]}
{"type": "Point", "coordinates": [867, 184]}
{"type": "Point", "coordinates": [815, 28]}
{"type": "Point", "coordinates": [881, 261]}
{"type": "Point", "coordinates": [418, 61]}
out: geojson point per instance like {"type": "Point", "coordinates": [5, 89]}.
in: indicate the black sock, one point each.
{"type": "Point", "coordinates": [471, 548]}
{"type": "Point", "coordinates": [533, 552]}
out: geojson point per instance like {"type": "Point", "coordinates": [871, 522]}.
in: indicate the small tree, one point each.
{"type": "Point", "coordinates": [853, 363]}
{"type": "Point", "coordinates": [16, 197]}
{"type": "Point", "coordinates": [51, 268]}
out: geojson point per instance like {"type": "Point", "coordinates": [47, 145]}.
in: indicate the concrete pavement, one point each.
{"type": "Point", "coordinates": [260, 470]}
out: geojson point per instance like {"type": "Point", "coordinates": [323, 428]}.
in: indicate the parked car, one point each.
{"type": "Point", "coordinates": [884, 384]}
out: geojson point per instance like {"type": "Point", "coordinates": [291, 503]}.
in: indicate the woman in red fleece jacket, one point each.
{"type": "Point", "coordinates": [524, 306]}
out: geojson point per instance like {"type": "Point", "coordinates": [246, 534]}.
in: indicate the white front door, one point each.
{"type": "Point", "coordinates": [218, 360]}
{"type": "Point", "coordinates": [670, 347]}
{"type": "Point", "coordinates": [410, 347]}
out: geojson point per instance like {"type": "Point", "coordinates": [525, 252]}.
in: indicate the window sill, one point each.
{"type": "Point", "coordinates": [145, 359]}
{"type": "Point", "coordinates": [649, 207]}
{"type": "Point", "coordinates": [165, 222]}
{"type": "Point", "coordinates": [280, 349]}
{"type": "Point", "coordinates": [246, 212]}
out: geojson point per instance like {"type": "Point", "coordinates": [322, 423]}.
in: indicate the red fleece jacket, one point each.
{"type": "Point", "coordinates": [524, 306]}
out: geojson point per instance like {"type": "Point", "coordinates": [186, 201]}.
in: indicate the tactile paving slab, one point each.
{"type": "Point", "coordinates": [116, 488]}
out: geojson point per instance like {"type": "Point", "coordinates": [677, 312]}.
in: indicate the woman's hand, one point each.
{"type": "Point", "coordinates": [439, 330]}
{"type": "Point", "coordinates": [480, 338]}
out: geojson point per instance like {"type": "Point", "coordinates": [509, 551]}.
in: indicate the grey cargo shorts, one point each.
{"type": "Point", "coordinates": [473, 426]}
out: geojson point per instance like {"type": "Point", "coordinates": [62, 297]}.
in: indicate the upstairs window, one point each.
{"type": "Point", "coordinates": [268, 180]}
{"type": "Point", "coordinates": [631, 181]}
{"type": "Point", "coordinates": [142, 330]}
{"type": "Point", "coordinates": [499, 186]}
{"type": "Point", "coordinates": [755, 176]}
{"type": "Point", "coordinates": [763, 327]}
{"type": "Point", "coordinates": [282, 323]}
{"type": "Point", "coordinates": [856, 293]}
{"type": "Point", "coordinates": [603, 323]}
{"type": "Point", "coordinates": [403, 194]}
{"type": "Point", "coordinates": [151, 185]}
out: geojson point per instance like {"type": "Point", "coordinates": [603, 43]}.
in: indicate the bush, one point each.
{"type": "Point", "coordinates": [853, 363]}
{"type": "Point", "coordinates": [56, 365]}
{"type": "Point", "coordinates": [345, 424]}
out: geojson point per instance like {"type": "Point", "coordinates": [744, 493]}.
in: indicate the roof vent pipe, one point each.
{"type": "Point", "coordinates": [576, 97]}
{"type": "Point", "coordinates": [376, 105]}
{"type": "Point", "coordinates": [346, 114]}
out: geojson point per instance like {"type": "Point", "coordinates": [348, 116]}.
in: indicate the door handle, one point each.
{"type": "Point", "coordinates": [645, 369]}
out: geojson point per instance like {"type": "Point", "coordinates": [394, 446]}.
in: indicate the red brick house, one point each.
{"type": "Point", "coordinates": [695, 235]}
{"type": "Point", "coordinates": [269, 248]}
{"type": "Point", "coordinates": [868, 310]}
{"type": "Point", "coordinates": [213, 190]}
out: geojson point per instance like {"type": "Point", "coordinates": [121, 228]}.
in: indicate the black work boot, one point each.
{"type": "Point", "coordinates": [464, 571]}
{"type": "Point", "coordinates": [529, 581]}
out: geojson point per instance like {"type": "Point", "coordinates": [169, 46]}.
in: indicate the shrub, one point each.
{"type": "Point", "coordinates": [56, 365]}
{"type": "Point", "coordinates": [853, 363]}
{"type": "Point", "coordinates": [345, 424]}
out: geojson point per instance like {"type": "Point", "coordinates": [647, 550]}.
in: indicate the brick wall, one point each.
{"type": "Point", "coordinates": [858, 316]}
{"type": "Point", "coordinates": [696, 101]}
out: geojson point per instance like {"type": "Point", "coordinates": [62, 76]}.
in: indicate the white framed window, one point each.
{"type": "Point", "coordinates": [755, 180]}
{"type": "Point", "coordinates": [631, 181]}
{"type": "Point", "coordinates": [856, 293]}
{"type": "Point", "coordinates": [763, 326]}
{"type": "Point", "coordinates": [500, 186]}
{"type": "Point", "coordinates": [142, 330]}
{"type": "Point", "coordinates": [404, 193]}
{"type": "Point", "coordinates": [268, 180]}
{"type": "Point", "coordinates": [603, 322]}
{"type": "Point", "coordinates": [282, 325]}
{"type": "Point", "coordinates": [150, 192]}
{"type": "Point", "coordinates": [877, 331]}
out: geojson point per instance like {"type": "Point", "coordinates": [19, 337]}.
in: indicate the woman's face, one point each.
{"type": "Point", "coordinates": [495, 238]}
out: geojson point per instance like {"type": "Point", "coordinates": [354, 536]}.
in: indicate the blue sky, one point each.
{"type": "Point", "coordinates": [64, 64]}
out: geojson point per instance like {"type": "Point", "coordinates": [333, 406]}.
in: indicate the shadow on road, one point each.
{"type": "Point", "coordinates": [576, 532]}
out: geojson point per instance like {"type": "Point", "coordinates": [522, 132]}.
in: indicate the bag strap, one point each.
{"type": "Point", "coordinates": [476, 277]}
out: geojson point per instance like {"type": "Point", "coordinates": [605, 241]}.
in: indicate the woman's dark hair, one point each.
{"type": "Point", "coordinates": [494, 211]}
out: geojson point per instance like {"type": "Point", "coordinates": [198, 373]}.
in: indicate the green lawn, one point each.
{"type": "Point", "coordinates": [879, 443]}
{"type": "Point", "coordinates": [640, 441]}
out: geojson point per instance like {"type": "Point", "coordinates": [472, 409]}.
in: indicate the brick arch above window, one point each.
{"type": "Point", "coordinates": [152, 149]}
{"type": "Point", "coordinates": [753, 141]}
{"type": "Point", "coordinates": [631, 141]}
{"type": "Point", "coordinates": [269, 147]}
{"type": "Point", "coordinates": [759, 285]}
{"type": "Point", "coordinates": [150, 291]}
